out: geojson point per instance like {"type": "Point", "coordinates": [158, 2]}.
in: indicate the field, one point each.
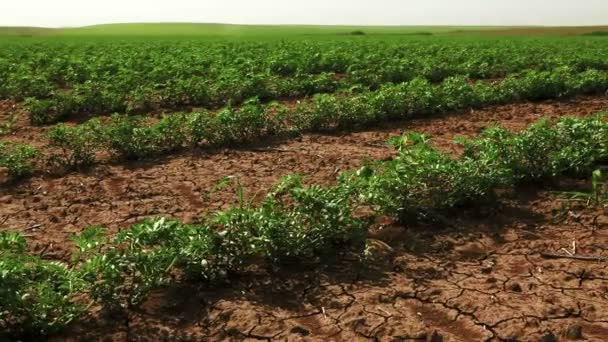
{"type": "Point", "coordinates": [231, 31]}
{"type": "Point", "coordinates": [402, 184]}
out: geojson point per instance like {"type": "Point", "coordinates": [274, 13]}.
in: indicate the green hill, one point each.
{"type": "Point", "coordinates": [230, 30]}
{"type": "Point", "coordinates": [224, 30]}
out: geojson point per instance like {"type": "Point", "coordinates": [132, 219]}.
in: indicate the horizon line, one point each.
{"type": "Point", "coordinates": [292, 24]}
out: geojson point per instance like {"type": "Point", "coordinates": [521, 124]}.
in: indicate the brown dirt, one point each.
{"type": "Point", "coordinates": [21, 130]}
{"type": "Point", "coordinates": [480, 279]}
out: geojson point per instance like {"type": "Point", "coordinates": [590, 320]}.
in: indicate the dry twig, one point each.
{"type": "Point", "coordinates": [574, 257]}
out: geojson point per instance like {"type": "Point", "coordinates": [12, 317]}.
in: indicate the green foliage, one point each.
{"type": "Point", "coordinates": [456, 93]}
{"type": "Point", "coordinates": [571, 145]}
{"type": "Point", "coordinates": [301, 222]}
{"type": "Point", "coordinates": [77, 143]}
{"type": "Point", "coordinates": [293, 222]}
{"type": "Point", "coordinates": [65, 78]}
{"type": "Point", "coordinates": [18, 159]}
{"type": "Point", "coordinates": [599, 190]}
{"type": "Point", "coordinates": [132, 138]}
{"type": "Point", "coordinates": [135, 137]}
{"type": "Point", "coordinates": [244, 124]}
{"type": "Point", "coordinates": [599, 186]}
{"type": "Point", "coordinates": [36, 297]}
{"type": "Point", "coordinates": [7, 126]}
{"type": "Point", "coordinates": [422, 182]}
{"type": "Point", "coordinates": [129, 136]}
{"type": "Point", "coordinates": [40, 110]}
{"type": "Point", "coordinates": [344, 83]}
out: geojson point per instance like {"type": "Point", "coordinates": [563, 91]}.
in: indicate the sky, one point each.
{"type": "Point", "coordinates": [58, 13]}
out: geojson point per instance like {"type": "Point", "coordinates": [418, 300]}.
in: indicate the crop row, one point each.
{"type": "Point", "coordinates": [63, 79]}
{"type": "Point", "coordinates": [134, 137]}
{"type": "Point", "coordinates": [293, 223]}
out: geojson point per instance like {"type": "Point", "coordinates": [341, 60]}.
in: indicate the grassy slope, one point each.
{"type": "Point", "coordinates": [227, 30]}
{"type": "Point", "coordinates": [254, 30]}
{"type": "Point", "coordinates": [191, 29]}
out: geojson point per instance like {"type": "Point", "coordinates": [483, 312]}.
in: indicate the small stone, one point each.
{"type": "Point", "coordinates": [487, 267]}
{"type": "Point", "coordinates": [300, 331]}
{"type": "Point", "coordinates": [548, 337]}
{"type": "Point", "coordinates": [515, 287]}
{"type": "Point", "coordinates": [574, 332]}
{"type": "Point", "coordinates": [434, 337]}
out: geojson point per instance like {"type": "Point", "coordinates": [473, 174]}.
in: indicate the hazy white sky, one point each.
{"type": "Point", "coordinates": [364, 12]}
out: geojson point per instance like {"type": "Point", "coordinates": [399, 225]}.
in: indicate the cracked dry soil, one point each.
{"type": "Point", "coordinates": [483, 279]}
{"type": "Point", "coordinates": [480, 279]}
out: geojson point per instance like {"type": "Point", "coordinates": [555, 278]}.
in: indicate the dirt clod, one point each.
{"type": "Point", "coordinates": [548, 337]}
{"type": "Point", "coordinates": [515, 287]}
{"type": "Point", "coordinates": [434, 337]}
{"type": "Point", "coordinates": [574, 332]}
{"type": "Point", "coordinates": [300, 331]}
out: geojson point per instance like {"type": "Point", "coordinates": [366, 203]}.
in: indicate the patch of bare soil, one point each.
{"type": "Point", "coordinates": [480, 279]}
{"type": "Point", "coordinates": [20, 129]}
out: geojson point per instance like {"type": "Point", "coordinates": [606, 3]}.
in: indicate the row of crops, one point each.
{"type": "Point", "coordinates": [223, 93]}
{"type": "Point", "coordinates": [293, 223]}
{"type": "Point", "coordinates": [137, 137]}
{"type": "Point", "coordinates": [66, 78]}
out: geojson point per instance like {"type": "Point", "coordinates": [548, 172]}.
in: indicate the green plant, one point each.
{"type": "Point", "coordinates": [301, 222]}
{"type": "Point", "coordinates": [599, 183]}
{"type": "Point", "coordinates": [202, 127]}
{"type": "Point", "coordinates": [422, 182]}
{"type": "Point", "coordinates": [132, 138]}
{"type": "Point", "coordinates": [18, 159]}
{"type": "Point", "coordinates": [293, 222]}
{"type": "Point", "coordinates": [134, 262]}
{"type": "Point", "coordinates": [569, 146]}
{"type": "Point", "coordinates": [7, 126]}
{"type": "Point", "coordinates": [599, 190]}
{"type": "Point", "coordinates": [78, 144]}
{"type": "Point", "coordinates": [244, 124]}
{"type": "Point", "coordinates": [40, 110]}
{"type": "Point", "coordinates": [37, 297]}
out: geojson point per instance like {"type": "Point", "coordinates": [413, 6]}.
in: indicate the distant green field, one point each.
{"type": "Point", "coordinates": [255, 30]}
{"type": "Point", "coordinates": [228, 30]}
{"type": "Point", "coordinates": [218, 30]}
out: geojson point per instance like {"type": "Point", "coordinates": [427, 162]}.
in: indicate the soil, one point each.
{"type": "Point", "coordinates": [482, 278]}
